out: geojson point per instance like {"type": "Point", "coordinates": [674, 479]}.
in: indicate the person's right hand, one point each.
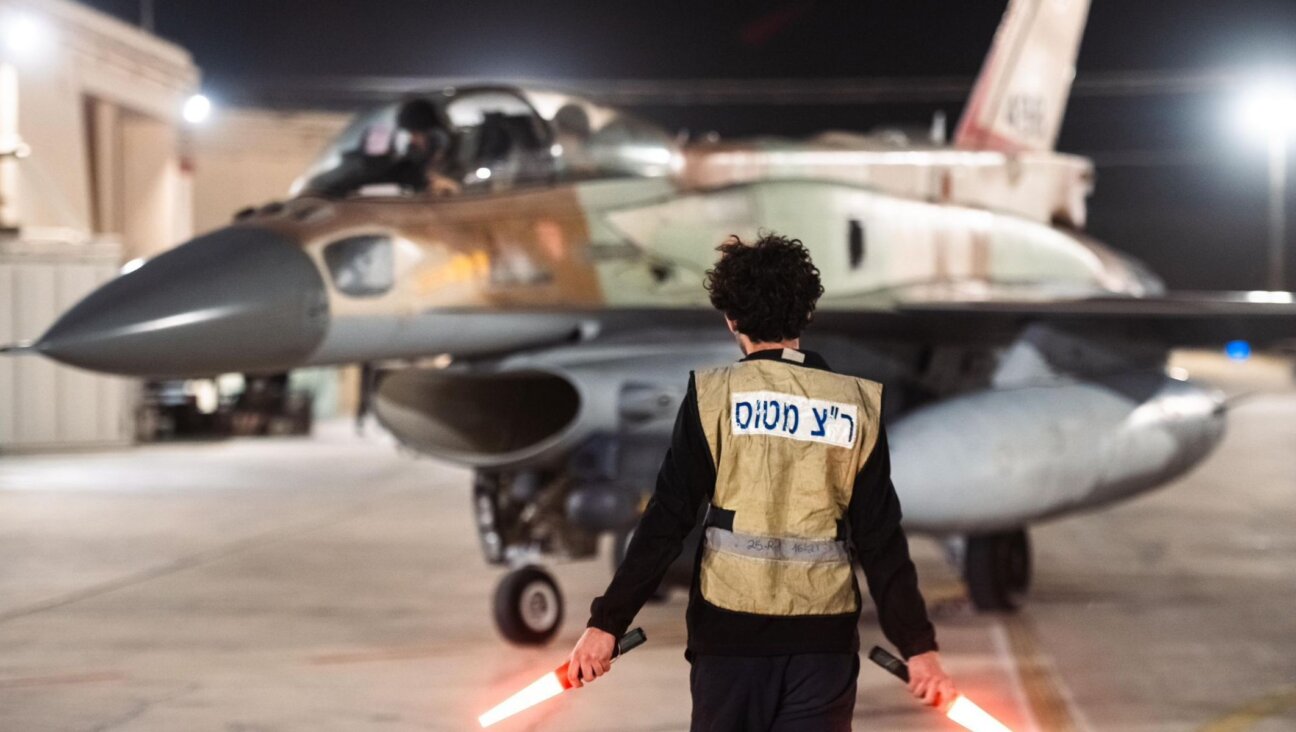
{"type": "Point", "coordinates": [929, 682]}
{"type": "Point", "coordinates": [592, 656]}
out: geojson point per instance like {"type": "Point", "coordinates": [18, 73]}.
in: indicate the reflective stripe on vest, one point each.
{"type": "Point", "coordinates": [783, 550]}
{"type": "Point", "coordinates": [787, 441]}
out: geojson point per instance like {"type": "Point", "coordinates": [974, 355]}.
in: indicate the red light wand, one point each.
{"type": "Point", "coordinates": [960, 711]}
{"type": "Point", "coordinates": [552, 684]}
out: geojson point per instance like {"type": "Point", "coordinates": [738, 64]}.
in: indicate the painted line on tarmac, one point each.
{"type": "Point", "coordinates": [1253, 712]}
{"type": "Point", "coordinates": [1003, 649]}
{"type": "Point", "coordinates": [1052, 706]}
{"type": "Point", "coordinates": [28, 682]}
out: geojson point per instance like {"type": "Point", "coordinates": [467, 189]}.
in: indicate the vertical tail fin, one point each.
{"type": "Point", "coordinates": [1021, 94]}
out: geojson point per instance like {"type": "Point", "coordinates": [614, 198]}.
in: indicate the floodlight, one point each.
{"type": "Point", "coordinates": [197, 109]}
{"type": "Point", "coordinates": [1268, 109]}
{"type": "Point", "coordinates": [23, 36]}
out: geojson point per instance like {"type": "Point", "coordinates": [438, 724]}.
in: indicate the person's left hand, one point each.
{"type": "Point", "coordinates": [592, 656]}
{"type": "Point", "coordinates": [929, 682]}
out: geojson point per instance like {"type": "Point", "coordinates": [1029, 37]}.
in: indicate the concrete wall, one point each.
{"type": "Point", "coordinates": [44, 405]}
{"type": "Point", "coordinates": [248, 157]}
{"type": "Point", "coordinates": [97, 104]}
{"type": "Point", "coordinates": [113, 174]}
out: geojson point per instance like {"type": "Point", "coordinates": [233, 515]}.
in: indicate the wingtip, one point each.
{"type": "Point", "coordinates": [19, 347]}
{"type": "Point", "coordinates": [1230, 402]}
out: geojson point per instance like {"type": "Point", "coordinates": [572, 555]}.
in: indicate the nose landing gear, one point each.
{"type": "Point", "coordinates": [519, 517]}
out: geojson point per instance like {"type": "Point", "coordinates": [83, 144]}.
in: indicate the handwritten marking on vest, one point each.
{"type": "Point", "coordinates": [776, 548]}
{"type": "Point", "coordinates": [780, 415]}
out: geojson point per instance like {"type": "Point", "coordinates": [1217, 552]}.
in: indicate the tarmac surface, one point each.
{"type": "Point", "coordinates": [335, 583]}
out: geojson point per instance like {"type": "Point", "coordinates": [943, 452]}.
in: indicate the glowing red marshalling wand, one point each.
{"type": "Point", "coordinates": [552, 684]}
{"type": "Point", "coordinates": [960, 711]}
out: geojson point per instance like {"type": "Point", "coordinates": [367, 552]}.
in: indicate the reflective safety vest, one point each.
{"type": "Point", "coordinates": [788, 442]}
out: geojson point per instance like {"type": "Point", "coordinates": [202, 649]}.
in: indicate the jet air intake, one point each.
{"type": "Point", "coordinates": [481, 420]}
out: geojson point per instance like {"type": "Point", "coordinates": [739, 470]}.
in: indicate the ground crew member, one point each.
{"type": "Point", "coordinates": [791, 461]}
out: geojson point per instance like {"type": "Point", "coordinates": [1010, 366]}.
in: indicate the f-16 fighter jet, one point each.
{"type": "Point", "coordinates": [526, 267]}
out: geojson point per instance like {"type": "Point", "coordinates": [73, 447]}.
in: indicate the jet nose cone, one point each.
{"type": "Point", "coordinates": [238, 299]}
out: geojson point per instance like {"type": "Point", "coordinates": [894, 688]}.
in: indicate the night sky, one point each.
{"type": "Point", "coordinates": [1178, 185]}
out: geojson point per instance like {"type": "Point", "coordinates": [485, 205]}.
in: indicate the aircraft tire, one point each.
{"type": "Point", "coordinates": [997, 569]}
{"type": "Point", "coordinates": [528, 606]}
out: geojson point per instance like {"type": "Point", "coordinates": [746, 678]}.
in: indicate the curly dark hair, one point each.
{"type": "Point", "coordinates": [768, 288]}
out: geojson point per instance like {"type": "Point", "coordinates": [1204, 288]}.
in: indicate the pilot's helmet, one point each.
{"type": "Point", "coordinates": [418, 115]}
{"type": "Point", "coordinates": [422, 116]}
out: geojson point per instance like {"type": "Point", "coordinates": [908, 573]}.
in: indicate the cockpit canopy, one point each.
{"type": "Point", "coordinates": [485, 139]}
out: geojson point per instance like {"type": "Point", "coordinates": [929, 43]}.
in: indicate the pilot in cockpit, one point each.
{"type": "Point", "coordinates": [417, 156]}
{"type": "Point", "coordinates": [426, 160]}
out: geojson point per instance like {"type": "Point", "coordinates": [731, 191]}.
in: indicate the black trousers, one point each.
{"type": "Point", "coordinates": [811, 692]}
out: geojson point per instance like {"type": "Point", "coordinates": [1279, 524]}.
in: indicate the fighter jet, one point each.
{"type": "Point", "coordinates": [526, 267]}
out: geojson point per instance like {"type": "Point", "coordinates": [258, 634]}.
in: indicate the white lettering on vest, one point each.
{"type": "Point", "coordinates": [793, 416]}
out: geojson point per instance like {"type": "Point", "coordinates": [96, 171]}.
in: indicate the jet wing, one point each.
{"type": "Point", "coordinates": [1265, 319]}
{"type": "Point", "coordinates": [1176, 319]}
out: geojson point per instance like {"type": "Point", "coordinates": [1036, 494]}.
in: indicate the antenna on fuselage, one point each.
{"type": "Point", "coordinates": [938, 132]}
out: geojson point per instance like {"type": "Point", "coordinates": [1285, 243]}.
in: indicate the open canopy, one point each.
{"type": "Point", "coordinates": [485, 139]}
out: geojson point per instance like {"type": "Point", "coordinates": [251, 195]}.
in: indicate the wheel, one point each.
{"type": "Point", "coordinates": [1019, 575]}
{"type": "Point", "coordinates": [997, 569]}
{"type": "Point", "coordinates": [528, 606]}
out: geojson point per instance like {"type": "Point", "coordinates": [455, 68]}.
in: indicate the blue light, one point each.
{"type": "Point", "coordinates": [1238, 350]}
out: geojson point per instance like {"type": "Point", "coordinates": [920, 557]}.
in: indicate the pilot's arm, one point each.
{"type": "Point", "coordinates": [441, 185]}
{"type": "Point", "coordinates": [685, 481]}
{"type": "Point", "coordinates": [883, 552]}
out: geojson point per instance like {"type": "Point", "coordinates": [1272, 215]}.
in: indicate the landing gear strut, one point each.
{"type": "Point", "coordinates": [528, 606]}
{"type": "Point", "coordinates": [997, 569]}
